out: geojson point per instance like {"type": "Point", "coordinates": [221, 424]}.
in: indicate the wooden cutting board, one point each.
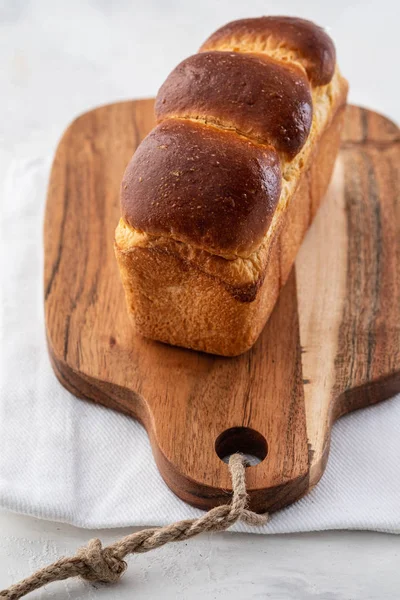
{"type": "Point", "coordinates": [332, 344]}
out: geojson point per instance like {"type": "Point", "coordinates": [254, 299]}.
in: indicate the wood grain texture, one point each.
{"type": "Point", "coordinates": [331, 345]}
{"type": "Point", "coordinates": [348, 274]}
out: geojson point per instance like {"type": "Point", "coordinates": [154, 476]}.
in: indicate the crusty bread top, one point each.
{"type": "Point", "coordinates": [249, 93]}
{"type": "Point", "coordinates": [311, 46]}
{"type": "Point", "coordinates": [181, 165]}
{"type": "Point", "coordinates": [229, 205]}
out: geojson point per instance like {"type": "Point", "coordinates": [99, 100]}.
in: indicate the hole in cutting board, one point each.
{"type": "Point", "coordinates": [245, 440]}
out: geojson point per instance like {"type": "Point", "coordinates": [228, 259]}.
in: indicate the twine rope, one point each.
{"type": "Point", "coordinates": [95, 563]}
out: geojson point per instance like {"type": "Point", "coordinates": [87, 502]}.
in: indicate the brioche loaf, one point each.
{"type": "Point", "coordinates": [217, 198]}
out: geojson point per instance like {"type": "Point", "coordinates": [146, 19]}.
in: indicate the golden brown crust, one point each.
{"type": "Point", "coordinates": [314, 48]}
{"type": "Point", "coordinates": [183, 286]}
{"type": "Point", "coordinates": [259, 97]}
{"type": "Point", "coordinates": [203, 186]}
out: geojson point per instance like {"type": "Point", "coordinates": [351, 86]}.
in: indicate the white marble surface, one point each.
{"type": "Point", "coordinates": [225, 566]}
{"type": "Point", "coordinates": [61, 58]}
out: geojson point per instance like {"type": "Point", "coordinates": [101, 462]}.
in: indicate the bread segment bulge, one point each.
{"type": "Point", "coordinates": [217, 198]}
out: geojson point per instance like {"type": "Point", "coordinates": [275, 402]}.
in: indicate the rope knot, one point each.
{"type": "Point", "coordinates": [100, 564]}
{"type": "Point", "coordinates": [95, 563]}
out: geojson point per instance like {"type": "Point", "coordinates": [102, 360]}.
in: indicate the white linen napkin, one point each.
{"type": "Point", "coordinates": [73, 461]}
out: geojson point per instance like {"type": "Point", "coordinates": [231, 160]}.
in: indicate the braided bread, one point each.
{"type": "Point", "coordinates": [217, 198]}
